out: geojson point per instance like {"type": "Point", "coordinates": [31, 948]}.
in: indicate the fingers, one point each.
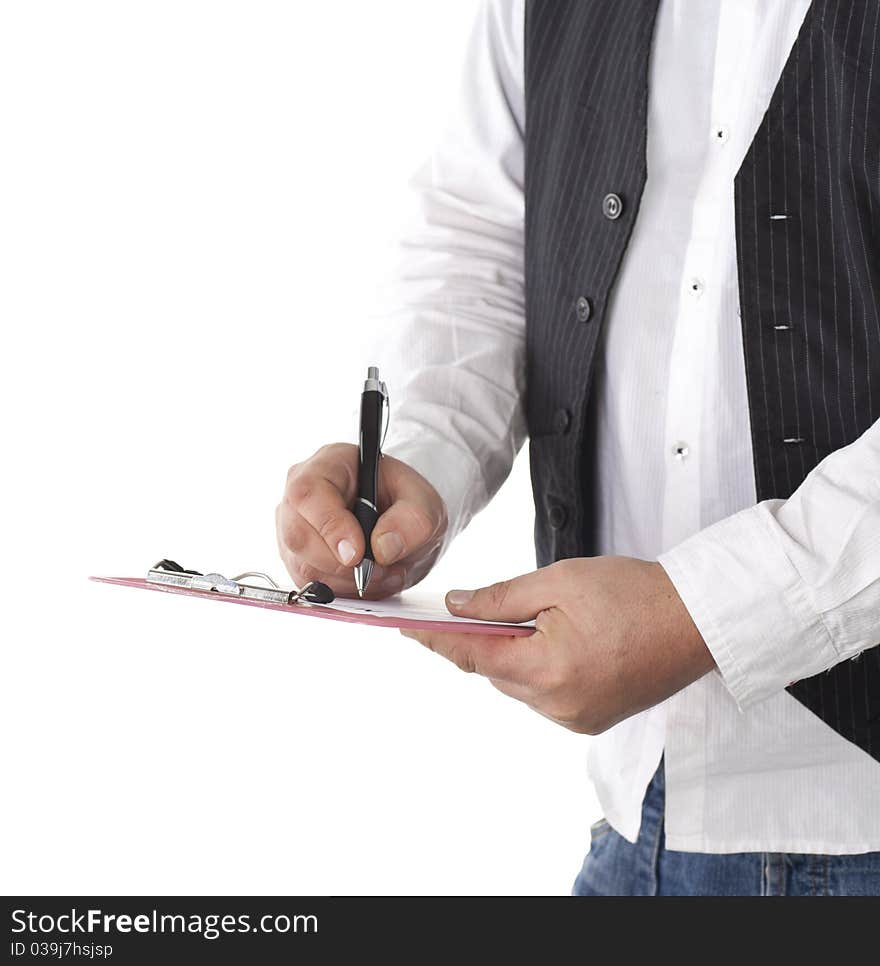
{"type": "Point", "coordinates": [299, 541]}
{"type": "Point", "coordinates": [323, 507]}
{"type": "Point", "coordinates": [519, 660]}
{"type": "Point", "coordinates": [383, 583]}
{"type": "Point", "coordinates": [316, 502]}
{"type": "Point", "coordinates": [415, 517]}
{"type": "Point", "coordinates": [299, 538]}
{"type": "Point", "coordinates": [516, 600]}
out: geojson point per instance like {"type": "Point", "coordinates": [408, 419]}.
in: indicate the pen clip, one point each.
{"type": "Point", "coordinates": [375, 384]}
{"type": "Point", "coordinates": [386, 405]}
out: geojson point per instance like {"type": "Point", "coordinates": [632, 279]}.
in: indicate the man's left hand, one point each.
{"type": "Point", "coordinates": [613, 638]}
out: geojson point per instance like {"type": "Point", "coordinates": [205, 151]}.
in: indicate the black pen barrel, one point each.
{"type": "Point", "coordinates": [366, 508]}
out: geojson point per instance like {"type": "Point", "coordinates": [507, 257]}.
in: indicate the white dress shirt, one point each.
{"type": "Point", "coordinates": [780, 590]}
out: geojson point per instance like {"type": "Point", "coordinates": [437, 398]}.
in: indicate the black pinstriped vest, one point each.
{"type": "Point", "coordinates": [811, 332]}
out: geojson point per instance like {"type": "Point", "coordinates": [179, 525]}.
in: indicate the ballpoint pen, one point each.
{"type": "Point", "coordinates": [373, 401]}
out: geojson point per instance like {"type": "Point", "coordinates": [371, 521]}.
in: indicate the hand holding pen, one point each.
{"type": "Point", "coordinates": [320, 536]}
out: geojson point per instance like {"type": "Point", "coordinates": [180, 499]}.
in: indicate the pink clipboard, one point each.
{"type": "Point", "coordinates": [328, 612]}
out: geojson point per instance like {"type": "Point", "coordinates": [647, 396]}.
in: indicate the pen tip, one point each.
{"type": "Point", "coordinates": [362, 573]}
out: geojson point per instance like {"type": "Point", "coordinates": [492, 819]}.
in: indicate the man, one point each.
{"type": "Point", "coordinates": [651, 241]}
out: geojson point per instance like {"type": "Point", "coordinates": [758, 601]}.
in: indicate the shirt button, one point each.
{"type": "Point", "coordinates": [612, 206]}
{"type": "Point", "coordinates": [556, 516]}
{"type": "Point", "coordinates": [721, 134]}
{"type": "Point", "coordinates": [680, 451]}
{"type": "Point", "coordinates": [584, 309]}
{"type": "Point", "coordinates": [695, 288]}
{"type": "Point", "coordinates": [561, 421]}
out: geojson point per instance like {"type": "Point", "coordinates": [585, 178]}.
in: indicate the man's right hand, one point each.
{"type": "Point", "coordinates": [320, 538]}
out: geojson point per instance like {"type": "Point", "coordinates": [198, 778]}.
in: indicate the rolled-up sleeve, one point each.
{"type": "Point", "coordinates": [789, 588]}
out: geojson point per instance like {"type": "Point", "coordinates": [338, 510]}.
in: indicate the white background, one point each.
{"type": "Point", "coordinates": [197, 200]}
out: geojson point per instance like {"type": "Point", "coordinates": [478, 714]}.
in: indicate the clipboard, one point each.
{"type": "Point", "coordinates": [413, 610]}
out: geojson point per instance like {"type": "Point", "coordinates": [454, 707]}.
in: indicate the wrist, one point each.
{"type": "Point", "coordinates": [681, 635]}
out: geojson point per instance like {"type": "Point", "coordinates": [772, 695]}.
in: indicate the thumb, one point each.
{"type": "Point", "coordinates": [513, 601]}
{"type": "Point", "coordinates": [415, 514]}
{"type": "Point", "coordinates": [404, 528]}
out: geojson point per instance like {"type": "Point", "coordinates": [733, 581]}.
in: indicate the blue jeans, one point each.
{"type": "Point", "coordinates": [615, 867]}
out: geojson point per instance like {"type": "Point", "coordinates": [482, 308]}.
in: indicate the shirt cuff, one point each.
{"type": "Point", "coordinates": [751, 606]}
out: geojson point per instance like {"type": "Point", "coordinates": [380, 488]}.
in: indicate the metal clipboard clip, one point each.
{"type": "Point", "coordinates": [172, 574]}
{"type": "Point", "coordinates": [386, 405]}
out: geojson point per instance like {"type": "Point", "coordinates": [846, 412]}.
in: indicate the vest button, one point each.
{"type": "Point", "coordinates": [556, 516]}
{"type": "Point", "coordinates": [584, 309]}
{"type": "Point", "coordinates": [612, 206]}
{"type": "Point", "coordinates": [561, 421]}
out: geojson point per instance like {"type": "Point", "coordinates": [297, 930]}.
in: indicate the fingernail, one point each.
{"type": "Point", "coordinates": [346, 551]}
{"type": "Point", "coordinates": [390, 547]}
{"type": "Point", "coordinates": [458, 598]}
